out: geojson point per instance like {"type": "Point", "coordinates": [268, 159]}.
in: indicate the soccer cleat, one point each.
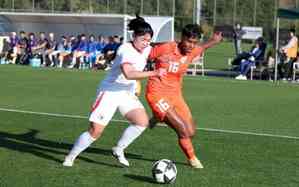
{"type": "Point", "coordinates": [120, 156]}
{"type": "Point", "coordinates": [195, 163]}
{"type": "Point", "coordinates": [68, 161]}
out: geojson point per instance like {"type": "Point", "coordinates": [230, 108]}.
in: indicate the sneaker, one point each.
{"type": "Point", "coordinates": [244, 77]}
{"type": "Point", "coordinates": [239, 77]}
{"type": "Point", "coordinates": [68, 161]}
{"type": "Point", "coordinates": [195, 163]}
{"type": "Point", "coordinates": [120, 156]}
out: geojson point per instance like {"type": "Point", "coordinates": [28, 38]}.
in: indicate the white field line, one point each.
{"type": "Point", "coordinates": [124, 121]}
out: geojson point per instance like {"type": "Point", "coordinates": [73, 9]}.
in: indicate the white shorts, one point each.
{"type": "Point", "coordinates": [107, 102]}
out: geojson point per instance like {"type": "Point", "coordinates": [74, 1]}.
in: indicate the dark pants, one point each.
{"type": "Point", "coordinates": [245, 66]}
{"type": "Point", "coordinates": [240, 57]}
{"type": "Point", "coordinates": [285, 69]}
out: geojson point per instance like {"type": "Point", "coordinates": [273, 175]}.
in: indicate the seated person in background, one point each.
{"type": "Point", "coordinates": [22, 45]}
{"type": "Point", "coordinates": [285, 67]}
{"type": "Point", "coordinates": [30, 48]}
{"type": "Point", "coordinates": [100, 61]}
{"type": "Point", "coordinates": [80, 52]}
{"type": "Point", "coordinates": [65, 49]}
{"type": "Point", "coordinates": [13, 47]}
{"type": "Point", "coordinates": [40, 49]}
{"type": "Point", "coordinates": [101, 43]}
{"type": "Point", "coordinates": [254, 56]}
{"type": "Point", "coordinates": [4, 50]}
{"type": "Point", "coordinates": [51, 50]}
{"type": "Point", "coordinates": [110, 49]}
{"type": "Point", "coordinates": [92, 51]}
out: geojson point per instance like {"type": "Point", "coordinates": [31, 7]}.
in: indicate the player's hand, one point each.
{"type": "Point", "coordinates": [161, 72]}
{"type": "Point", "coordinates": [217, 37]}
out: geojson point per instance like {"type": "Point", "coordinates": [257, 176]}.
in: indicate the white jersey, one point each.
{"type": "Point", "coordinates": [115, 79]}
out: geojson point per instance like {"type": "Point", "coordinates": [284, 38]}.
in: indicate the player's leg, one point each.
{"type": "Point", "coordinates": [102, 111]}
{"type": "Point", "coordinates": [185, 131]}
{"type": "Point", "coordinates": [184, 112]}
{"type": "Point", "coordinates": [83, 142]}
{"type": "Point", "coordinates": [135, 113]}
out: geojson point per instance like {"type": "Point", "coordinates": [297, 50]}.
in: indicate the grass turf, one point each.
{"type": "Point", "coordinates": [33, 146]}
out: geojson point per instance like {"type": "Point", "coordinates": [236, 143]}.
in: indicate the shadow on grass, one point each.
{"type": "Point", "coordinates": [29, 143]}
{"type": "Point", "coordinates": [141, 178]}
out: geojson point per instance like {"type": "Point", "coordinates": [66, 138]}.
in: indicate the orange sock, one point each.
{"type": "Point", "coordinates": [187, 147]}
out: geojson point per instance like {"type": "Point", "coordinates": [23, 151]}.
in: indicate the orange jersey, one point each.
{"type": "Point", "coordinates": [168, 56]}
{"type": "Point", "coordinates": [164, 93]}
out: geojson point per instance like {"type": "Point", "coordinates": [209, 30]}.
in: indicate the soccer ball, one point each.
{"type": "Point", "coordinates": [164, 171]}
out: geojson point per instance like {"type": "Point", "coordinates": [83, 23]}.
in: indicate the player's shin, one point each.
{"type": "Point", "coordinates": [82, 143]}
{"type": "Point", "coordinates": [187, 147]}
{"type": "Point", "coordinates": [129, 135]}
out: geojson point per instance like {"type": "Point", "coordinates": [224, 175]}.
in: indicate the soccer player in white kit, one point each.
{"type": "Point", "coordinates": [117, 91]}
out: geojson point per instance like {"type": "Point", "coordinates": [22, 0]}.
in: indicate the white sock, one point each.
{"type": "Point", "coordinates": [82, 143]}
{"type": "Point", "coordinates": [129, 135]}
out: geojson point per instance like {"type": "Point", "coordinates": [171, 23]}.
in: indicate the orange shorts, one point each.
{"type": "Point", "coordinates": [161, 103]}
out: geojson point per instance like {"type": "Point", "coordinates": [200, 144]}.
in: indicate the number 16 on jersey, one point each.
{"type": "Point", "coordinates": [162, 105]}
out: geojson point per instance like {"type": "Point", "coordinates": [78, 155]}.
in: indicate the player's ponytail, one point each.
{"type": "Point", "coordinates": [140, 27]}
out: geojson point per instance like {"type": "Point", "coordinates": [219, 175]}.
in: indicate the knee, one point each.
{"type": "Point", "coordinates": [190, 133]}
{"type": "Point", "coordinates": [95, 131]}
{"type": "Point", "coordinates": [184, 134]}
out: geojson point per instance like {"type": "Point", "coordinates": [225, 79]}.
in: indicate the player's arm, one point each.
{"type": "Point", "coordinates": [216, 38]}
{"type": "Point", "coordinates": [132, 74]}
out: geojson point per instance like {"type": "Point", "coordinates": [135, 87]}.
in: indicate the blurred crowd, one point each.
{"type": "Point", "coordinates": [68, 51]}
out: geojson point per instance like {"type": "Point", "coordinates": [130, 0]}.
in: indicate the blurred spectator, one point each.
{"type": "Point", "coordinates": [23, 42]}
{"type": "Point", "coordinates": [13, 47]}
{"type": "Point", "coordinates": [40, 49]}
{"type": "Point", "coordinates": [237, 36]}
{"type": "Point", "coordinates": [97, 53]}
{"type": "Point", "coordinates": [31, 47]}
{"type": "Point", "coordinates": [80, 52]}
{"type": "Point", "coordinates": [254, 56]}
{"type": "Point", "coordinates": [101, 44]}
{"type": "Point", "coordinates": [51, 51]}
{"type": "Point", "coordinates": [285, 67]}
{"type": "Point", "coordinates": [92, 51]}
{"type": "Point", "coordinates": [110, 49]}
{"type": "Point", "coordinates": [65, 50]}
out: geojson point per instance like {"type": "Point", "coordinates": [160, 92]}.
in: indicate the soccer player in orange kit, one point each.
{"type": "Point", "coordinates": [164, 94]}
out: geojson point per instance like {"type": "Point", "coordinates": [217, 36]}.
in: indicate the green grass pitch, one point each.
{"type": "Point", "coordinates": [248, 133]}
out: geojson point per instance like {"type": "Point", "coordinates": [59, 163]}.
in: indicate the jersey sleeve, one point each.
{"type": "Point", "coordinates": [125, 55]}
{"type": "Point", "coordinates": [158, 50]}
